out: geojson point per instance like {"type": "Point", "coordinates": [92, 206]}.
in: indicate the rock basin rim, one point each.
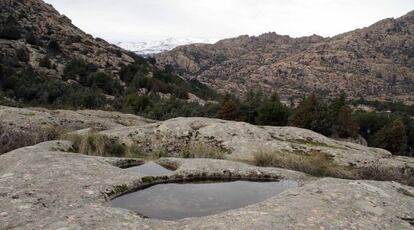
{"type": "Point", "coordinates": [159, 180]}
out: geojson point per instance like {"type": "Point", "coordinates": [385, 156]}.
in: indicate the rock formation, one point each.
{"type": "Point", "coordinates": [46, 187]}
{"type": "Point", "coordinates": [375, 62]}
{"type": "Point", "coordinates": [38, 31]}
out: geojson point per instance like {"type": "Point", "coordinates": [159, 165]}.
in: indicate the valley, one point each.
{"type": "Point", "coordinates": [252, 132]}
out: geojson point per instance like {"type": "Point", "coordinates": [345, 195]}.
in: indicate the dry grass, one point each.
{"type": "Point", "coordinates": [134, 151]}
{"type": "Point", "coordinates": [95, 144]}
{"type": "Point", "coordinates": [202, 150]}
{"type": "Point", "coordinates": [11, 139]}
{"type": "Point", "coordinates": [322, 165]}
{"type": "Point", "coordinates": [378, 172]}
{"type": "Point", "coordinates": [314, 163]}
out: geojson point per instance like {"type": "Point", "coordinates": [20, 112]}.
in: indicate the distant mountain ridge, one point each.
{"type": "Point", "coordinates": [146, 48]}
{"type": "Point", "coordinates": [376, 62]}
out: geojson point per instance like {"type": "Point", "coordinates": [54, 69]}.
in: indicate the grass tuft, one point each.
{"type": "Point", "coordinates": [382, 173]}
{"type": "Point", "coordinates": [320, 164]}
{"type": "Point", "coordinates": [95, 144]}
{"type": "Point", "coordinates": [315, 163]}
{"type": "Point", "coordinates": [11, 139]}
{"type": "Point", "coordinates": [202, 150]}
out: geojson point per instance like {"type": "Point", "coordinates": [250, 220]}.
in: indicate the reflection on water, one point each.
{"type": "Point", "coordinates": [177, 201]}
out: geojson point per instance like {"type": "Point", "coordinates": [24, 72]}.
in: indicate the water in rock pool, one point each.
{"type": "Point", "coordinates": [151, 169]}
{"type": "Point", "coordinates": [176, 201]}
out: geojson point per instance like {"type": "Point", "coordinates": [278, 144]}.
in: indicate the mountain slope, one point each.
{"type": "Point", "coordinates": [374, 62]}
{"type": "Point", "coordinates": [39, 30]}
{"type": "Point", "coordinates": [46, 60]}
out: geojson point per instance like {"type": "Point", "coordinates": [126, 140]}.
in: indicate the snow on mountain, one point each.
{"type": "Point", "coordinates": [153, 47]}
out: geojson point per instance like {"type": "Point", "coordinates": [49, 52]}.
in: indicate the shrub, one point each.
{"type": "Point", "coordinates": [229, 109]}
{"type": "Point", "coordinates": [53, 47]}
{"type": "Point", "coordinates": [104, 81]}
{"type": "Point", "coordinates": [272, 112]}
{"type": "Point", "coordinates": [345, 126]}
{"type": "Point", "coordinates": [23, 55]}
{"type": "Point", "coordinates": [137, 103]}
{"type": "Point", "coordinates": [138, 69]}
{"type": "Point", "coordinates": [78, 70]}
{"type": "Point", "coordinates": [118, 150]}
{"type": "Point", "coordinates": [202, 150]}
{"type": "Point", "coordinates": [392, 138]}
{"type": "Point", "coordinates": [10, 29]}
{"type": "Point", "coordinates": [31, 39]}
{"type": "Point", "coordinates": [45, 62]}
{"type": "Point", "coordinates": [312, 113]}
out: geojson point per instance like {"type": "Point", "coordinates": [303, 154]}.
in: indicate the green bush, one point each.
{"type": "Point", "coordinates": [272, 112]}
{"type": "Point", "coordinates": [23, 55]}
{"type": "Point", "coordinates": [78, 70]}
{"type": "Point", "coordinates": [229, 108]}
{"type": "Point", "coordinates": [10, 29]}
{"type": "Point", "coordinates": [392, 138]}
{"type": "Point", "coordinates": [45, 62]}
{"type": "Point", "coordinates": [118, 150]}
{"type": "Point", "coordinates": [104, 81]}
{"type": "Point", "coordinates": [53, 47]}
{"type": "Point", "coordinates": [312, 113]}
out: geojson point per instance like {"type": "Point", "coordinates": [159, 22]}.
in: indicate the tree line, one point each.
{"type": "Point", "coordinates": [83, 85]}
{"type": "Point", "coordinates": [333, 118]}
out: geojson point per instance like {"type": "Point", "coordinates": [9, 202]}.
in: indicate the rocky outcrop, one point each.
{"type": "Point", "coordinates": [33, 119]}
{"type": "Point", "coordinates": [27, 126]}
{"type": "Point", "coordinates": [373, 62]}
{"type": "Point", "coordinates": [242, 140]}
{"type": "Point", "coordinates": [44, 187]}
{"type": "Point", "coordinates": [34, 30]}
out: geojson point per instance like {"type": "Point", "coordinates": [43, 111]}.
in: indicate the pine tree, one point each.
{"type": "Point", "coordinates": [229, 109]}
{"type": "Point", "coordinates": [250, 106]}
{"type": "Point", "coordinates": [273, 112]}
{"type": "Point", "coordinates": [345, 126]}
{"type": "Point", "coordinates": [337, 103]}
{"type": "Point", "coordinates": [312, 114]}
{"type": "Point", "coordinates": [392, 138]}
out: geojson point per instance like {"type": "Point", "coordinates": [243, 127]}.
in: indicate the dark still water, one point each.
{"type": "Point", "coordinates": [177, 201]}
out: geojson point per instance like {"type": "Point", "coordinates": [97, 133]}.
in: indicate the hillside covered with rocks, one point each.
{"type": "Point", "coordinates": [46, 60]}
{"type": "Point", "coordinates": [375, 62]}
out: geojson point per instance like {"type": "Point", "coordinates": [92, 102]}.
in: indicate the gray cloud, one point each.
{"type": "Point", "coordinates": [138, 20]}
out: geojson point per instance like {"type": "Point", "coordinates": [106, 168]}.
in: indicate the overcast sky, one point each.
{"type": "Point", "coordinates": [144, 20]}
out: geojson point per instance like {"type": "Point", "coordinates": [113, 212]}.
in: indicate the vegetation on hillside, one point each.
{"type": "Point", "coordinates": [145, 90]}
